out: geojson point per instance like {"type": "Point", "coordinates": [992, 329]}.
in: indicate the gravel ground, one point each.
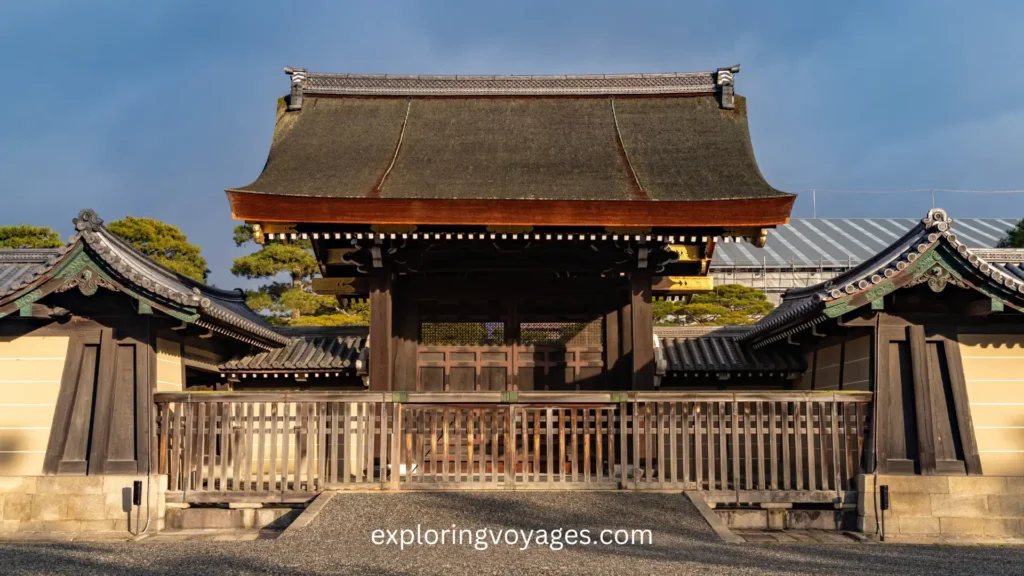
{"type": "Point", "coordinates": [339, 542]}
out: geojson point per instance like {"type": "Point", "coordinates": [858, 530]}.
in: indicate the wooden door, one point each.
{"type": "Point", "coordinates": [101, 423]}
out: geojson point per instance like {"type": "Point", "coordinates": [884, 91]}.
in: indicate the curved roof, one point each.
{"type": "Point", "coordinates": [326, 349]}
{"type": "Point", "coordinates": [622, 138]}
{"type": "Point", "coordinates": [932, 243]}
{"type": "Point", "coordinates": [718, 349]}
{"type": "Point", "coordinates": [34, 273]}
{"type": "Point", "coordinates": [19, 267]}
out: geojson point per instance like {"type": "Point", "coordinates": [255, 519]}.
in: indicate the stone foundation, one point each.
{"type": "Point", "coordinates": [78, 504]}
{"type": "Point", "coordinates": [207, 518]}
{"type": "Point", "coordinates": [786, 518]}
{"type": "Point", "coordinates": [945, 505]}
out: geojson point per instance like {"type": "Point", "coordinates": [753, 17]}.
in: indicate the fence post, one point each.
{"type": "Point", "coordinates": [384, 448]}
{"type": "Point", "coordinates": [623, 446]}
{"type": "Point", "coordinates": [636, 444]}
{"type": "Point", "coordinates": [396, 429]}
{"type": "Point", "coordinates": [510, 449]}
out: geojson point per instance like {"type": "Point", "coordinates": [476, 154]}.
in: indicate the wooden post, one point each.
{"type": "Point", "coordinates": [624, 372]}
{"type": "Point", "coordinates": [643, 331]}
{"type": "Point", "coordinates": [922, 400]}
{"type": "Point", "coordinates": [611, 350]}
{"type": "Point", "coordinates": [380, 333]}
{"type": "Point", "coordinates": [512, 342]}
{"type": "Point", "coordinates": [406, 336]}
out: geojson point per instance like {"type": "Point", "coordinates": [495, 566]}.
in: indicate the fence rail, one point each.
{"type": "Point", "coordinates": [289, 446]}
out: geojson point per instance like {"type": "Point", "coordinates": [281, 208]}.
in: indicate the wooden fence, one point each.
{"type": "Point", "coordinates": [743, 446]}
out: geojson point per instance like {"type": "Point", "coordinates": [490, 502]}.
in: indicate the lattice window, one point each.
{"type": "Point", "coordinates": [462, 333]}
{"type": "Point", "coordinates": [561, 333]}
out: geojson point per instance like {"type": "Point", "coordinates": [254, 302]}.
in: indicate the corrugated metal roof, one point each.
{"type": "Point", "coordinates": [843, 242]}
{"type": "Point", "coordinates": [716, 349]}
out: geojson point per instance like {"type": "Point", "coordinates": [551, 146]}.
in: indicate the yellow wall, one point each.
{"type": "Point", "coordinates": [994, 370]}
{"type": "Point", "coordinates": [168, 366]}
{"type": "Point", "coordinates": [30, 373]}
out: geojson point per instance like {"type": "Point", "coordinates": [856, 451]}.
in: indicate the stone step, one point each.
{"type": "Point", "coordinates": [206, 518]}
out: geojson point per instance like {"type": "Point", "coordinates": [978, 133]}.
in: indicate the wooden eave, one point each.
{"type": "Point", "coordinates": [759, 212]}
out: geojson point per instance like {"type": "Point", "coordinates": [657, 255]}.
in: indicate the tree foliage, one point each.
{"type": "Point", "coordinates": [25, 236]}
{"type": "Point", "coordinates": [291, 303]}
{"type": "Point", "coordinates": [1014, 237]}
{"type": "Point", "coordinates": [163, 243]}
{"type": "Point", "coordinates": [726, 305]}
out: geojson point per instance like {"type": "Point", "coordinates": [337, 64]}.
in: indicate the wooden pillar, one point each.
{"type": "Point", "coordinates": [406, 339]}
{"type": "Point", "coordinates": [923, 405]}
{"type": "Point", "coordinates": [512, 342]}
{"type": "Point", "coordinates": [381, 374]}
{"type": "Point", "coordinates": [612, 338]}
{"type": "Point", "coordinates": [624, 371]}
{"type": "Point", "coordinates": [643, 331]}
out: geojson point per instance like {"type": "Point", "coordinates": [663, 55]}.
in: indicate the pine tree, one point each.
{"type": "Point", "coordinates": [726, 305]}
{"type": "Point", "coordinates": [163, 243]}
{"type": "Point", "coordinates": [293, 302]}
{"type": "Point", "coordinates": [1014, 237]}
{"type": "Point", "coordinates": [25, 236]}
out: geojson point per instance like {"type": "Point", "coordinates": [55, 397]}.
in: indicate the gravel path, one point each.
{"type": "Point", "coordinates": [339, 542]}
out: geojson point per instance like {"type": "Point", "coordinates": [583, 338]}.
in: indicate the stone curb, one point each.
{"type": "Point", "coordinates": [716, 523]}
{"type": "Point", "coordinates": [309, 514]}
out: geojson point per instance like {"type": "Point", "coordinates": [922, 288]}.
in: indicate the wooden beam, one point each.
{"type": "Point", "coordinates": [343, 287]}
{"type": "Point", "coordinates": [643, 331]}
{"type": "Point", "coordinates": [958, 383]}
{"type": "Point", "coordinates": [265, 208]}
{"type": "Point", "coordinates": [923, 405]}
{"type": "Point", "coordinates": [380, 333]}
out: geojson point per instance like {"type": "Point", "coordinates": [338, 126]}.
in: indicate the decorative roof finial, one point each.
{"type": "Point", "coordinates": [937, 218]}
{"type": "Point", "coordinates": [87, 220]}
{"type": "Point", "coordinates": [298, 83]}
{"type": "Point", "coordinates": [724, 79]}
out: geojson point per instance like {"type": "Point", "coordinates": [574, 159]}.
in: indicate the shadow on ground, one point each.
{"type": "Point", "coordinates": [338, 541]}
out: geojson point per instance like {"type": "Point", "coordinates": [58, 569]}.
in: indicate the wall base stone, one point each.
{"type": "Point", "coordinates": [944, 505]}
{"type": "Point", "coordinates": [76, 504]}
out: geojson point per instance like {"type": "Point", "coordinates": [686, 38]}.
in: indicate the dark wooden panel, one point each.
{"type": "Point", "coordinates": [965, 423]}
{"type": "Point", "coordinates": [406, 323]}
{"type": "Point", "coordinates": [122, 413]}
{"type": "Point", "coordinates": [274, 208]}
{"type": "Point", "coordinates": [947, 429]}
{"type": "Point", "coordinates": [380, 333]}
{"type": "Point", "coordinates": [462, 379]}
{"type": "Point", "coordinates": [432, 379]}
{"type": "Point", "coordinates": [611, 348]}
{"type": "Point", "coordinates": [643, 331]}
{"type": "Point", "coordinates": [922, 400]}
{"type": "Point", "coordinates": [75, 411]}
{"type": "Point", "coordinates": [493, 379]}
{"type": "Point", "coordinates": [103, 404]}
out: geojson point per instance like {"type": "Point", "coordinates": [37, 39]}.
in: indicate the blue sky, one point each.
{"type": "Point", "coordinates": [153, 108]}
